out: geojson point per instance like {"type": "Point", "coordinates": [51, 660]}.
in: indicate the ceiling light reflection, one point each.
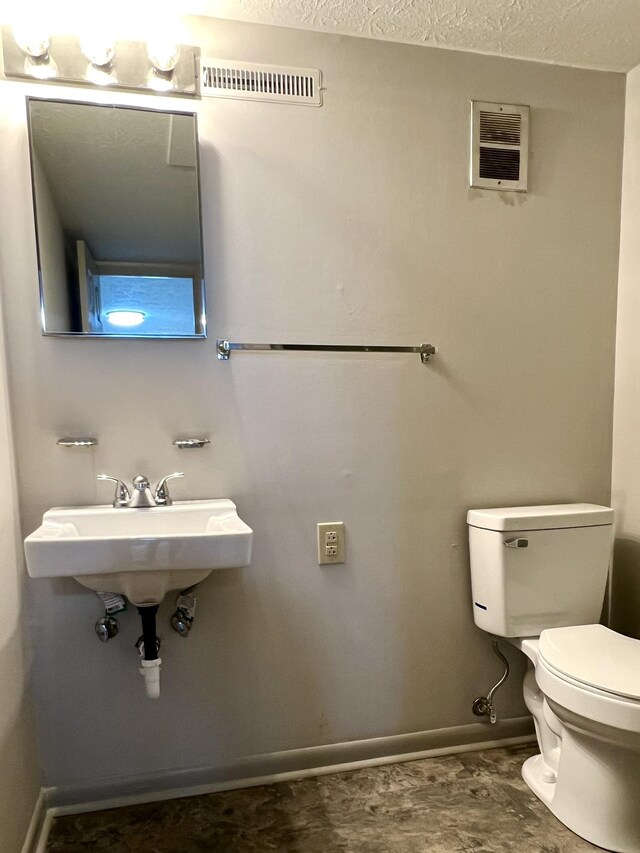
{"type": "Point", "coordinates": [126, 318]}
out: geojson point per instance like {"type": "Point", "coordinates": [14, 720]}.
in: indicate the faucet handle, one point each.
{"type": "Point", "coordinates": [122, 496]}
{"type": "Point", "coordinates": [161, 495]}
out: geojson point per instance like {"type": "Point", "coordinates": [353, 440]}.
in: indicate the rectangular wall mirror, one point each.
{"type": "Point", "coordinates": [118, 223]}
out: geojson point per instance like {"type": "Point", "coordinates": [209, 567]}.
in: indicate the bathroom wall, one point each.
{"type": "Point", "coordinates": [352, 223]}
{"type": "Point", "coordinates": [20, 774]}
{"type": "Point", "coordinates": [625, 597]}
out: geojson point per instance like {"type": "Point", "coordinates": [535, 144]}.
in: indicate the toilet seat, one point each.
{"type": "Point", "coordinates": [593, 657]}
{"type": "Point", "coordinates": [589, 651]}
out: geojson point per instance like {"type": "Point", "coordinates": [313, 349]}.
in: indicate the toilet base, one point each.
{"type": "Point", "coordinates": [588, 772]}
{"type": "Point", "coordinates": [597, 804]}
{"type": "Point", "coordinates": [532, 773]}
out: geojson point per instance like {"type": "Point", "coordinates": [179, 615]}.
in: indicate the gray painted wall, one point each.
{"type": "Point", "coordinates": [20, 776]}
{"type": "Point", "coordinates": [625, 599]}
{"type": "Point", "coordinates": [352, 223]}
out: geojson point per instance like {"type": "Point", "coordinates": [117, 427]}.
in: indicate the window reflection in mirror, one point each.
{"type": "Point", "coordinates": [118, 226]}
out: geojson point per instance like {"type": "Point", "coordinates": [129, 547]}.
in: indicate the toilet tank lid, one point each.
{"type": "Point", "coordinates": [540, 517]}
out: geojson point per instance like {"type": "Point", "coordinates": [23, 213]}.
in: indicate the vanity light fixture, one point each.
{"type": "Point", "coordinates": [160, 65]}
{"type": "Point", "coordinates": [126, 318]}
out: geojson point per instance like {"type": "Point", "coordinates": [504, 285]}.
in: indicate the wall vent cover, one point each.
{"type": "Point", "coordinates": [223, 78]}
{"type": "Point", "coordinates": [499, 146]}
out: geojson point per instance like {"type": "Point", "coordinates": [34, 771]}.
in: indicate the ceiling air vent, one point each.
{"type": "Point", "coordinates": [222, 78]}
{"type": "Point", "coordinates": [499, 146]}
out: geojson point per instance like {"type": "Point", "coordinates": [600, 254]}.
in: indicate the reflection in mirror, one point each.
{"type": "Point", "coordinates": [117, 206]}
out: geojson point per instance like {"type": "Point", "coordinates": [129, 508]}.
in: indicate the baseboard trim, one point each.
{"type": "Point", "coordinates": [36, 838]}
{"type": "Point", "coordinates": [282, 766]}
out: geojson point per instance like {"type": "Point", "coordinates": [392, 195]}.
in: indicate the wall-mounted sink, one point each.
{"type": "Point", "coordinates": [140, 553]}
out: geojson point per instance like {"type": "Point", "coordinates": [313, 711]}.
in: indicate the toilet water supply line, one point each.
{"type": "Point", "coordinates": [483, 705]}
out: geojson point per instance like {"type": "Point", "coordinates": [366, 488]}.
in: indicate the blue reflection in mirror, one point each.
{"type": "Point", "coordinates": [151, 305]}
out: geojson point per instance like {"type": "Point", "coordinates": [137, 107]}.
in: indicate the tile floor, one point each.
{"type": "Point", "coordinates": [475, 802]}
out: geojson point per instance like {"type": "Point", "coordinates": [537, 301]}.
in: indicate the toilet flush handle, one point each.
{"type": "Point", "coordinates": [516, 543]}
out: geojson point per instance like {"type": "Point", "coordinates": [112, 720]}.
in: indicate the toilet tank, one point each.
{"type": "Point", "coordinates": [537, 567]}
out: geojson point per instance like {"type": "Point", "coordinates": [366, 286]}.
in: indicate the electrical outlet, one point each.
{"type": "Point", "coordinates": [331, 542]}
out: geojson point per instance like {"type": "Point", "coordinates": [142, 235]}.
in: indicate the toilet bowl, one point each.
{"type": "Point", "coordinates": [583, 690]}
{"type": "Point", "coordinates": [538, 579]}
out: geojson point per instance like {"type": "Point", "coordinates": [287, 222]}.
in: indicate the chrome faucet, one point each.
{"type": "Point", "coordinates": [142, 496]}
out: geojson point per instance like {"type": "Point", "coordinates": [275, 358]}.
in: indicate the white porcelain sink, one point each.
{"type": "Point", "coordinates": [140, 553]}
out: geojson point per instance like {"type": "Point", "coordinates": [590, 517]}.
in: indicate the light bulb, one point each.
{"type": "Point", "coordinates": [99, 50]}
{"type": "Point", "coordinates": [32, 39]}
{"type": "Point", "coordinates": [163, 54]}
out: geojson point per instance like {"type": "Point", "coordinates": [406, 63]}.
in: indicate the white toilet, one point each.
{"type": "Point", "coordinates": [538, 577]}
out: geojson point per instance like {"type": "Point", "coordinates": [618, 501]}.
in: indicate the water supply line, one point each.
{"type": "Point", "coordinates": [483, 705]}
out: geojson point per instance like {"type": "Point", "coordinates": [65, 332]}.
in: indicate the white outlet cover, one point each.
{"type": "Point", "coordinates": [326, 546]}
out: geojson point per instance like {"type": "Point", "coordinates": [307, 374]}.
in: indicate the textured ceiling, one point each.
{"type": "Point", "coordinates": [601, 34]}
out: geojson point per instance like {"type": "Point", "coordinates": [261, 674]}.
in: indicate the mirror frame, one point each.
{"type": "Point", "coordinates": [200, 299]}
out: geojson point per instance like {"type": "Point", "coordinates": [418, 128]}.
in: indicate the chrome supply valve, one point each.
{"type": "Point", "coordinates": [181, 623]}
{"type": "Point", "coordinates": [106, 628]}
{"type": "Point", "coordinates": [182, 619]}
{"type": "Point", "coordinates": [483, 705]}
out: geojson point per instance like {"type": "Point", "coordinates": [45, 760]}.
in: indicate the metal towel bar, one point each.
{"type": "Point", "coordinates": [225, 348]}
